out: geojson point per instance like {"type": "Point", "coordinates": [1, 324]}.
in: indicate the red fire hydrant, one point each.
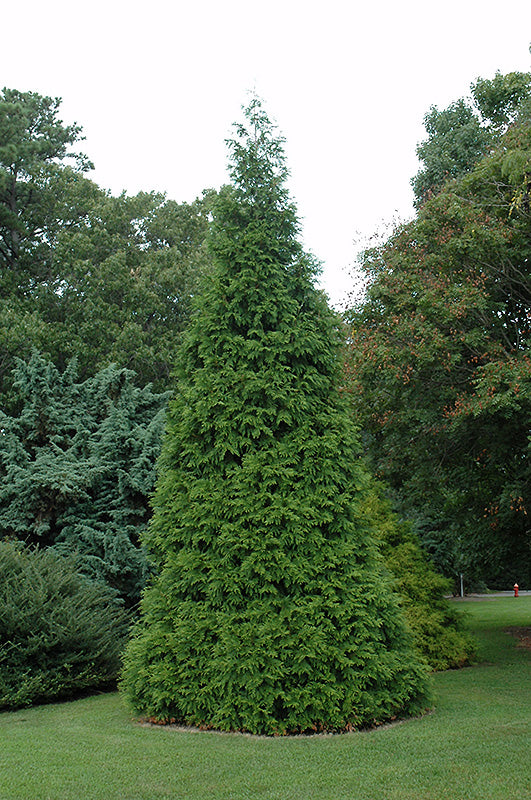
{"type": "Point", "coordinates": [516, 587]}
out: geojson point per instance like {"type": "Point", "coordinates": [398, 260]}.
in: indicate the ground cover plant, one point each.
{"type": "Point", "coordinates": [474, 746]}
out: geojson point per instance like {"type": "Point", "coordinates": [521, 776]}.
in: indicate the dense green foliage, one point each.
{"type": "Point", "coordinates": [77, 468]}
{"type": "Point", "coordinates": [456, 141]}
{"type": "Point", "coordinates": [123, 285]}
{"type": "Point", "coordinates": [460, 135]}
{"type": "Point", "coordinates": [60, 633]}
{"type": "Point", "coordinates": [440, 370]}
{"type": "Point", "coordinates": [271, 611]}
{"type": "Point", "coordinates": [437, 625]}
{"type": "Point", "coordinates": [101, 287]}
{"type": "Point", "coordinates": [84, 274]}
{"type": "Point", "coordinates": [33, 145]}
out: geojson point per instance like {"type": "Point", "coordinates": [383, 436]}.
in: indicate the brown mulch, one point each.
{"type": "Point", "coordinates": [522, 634]}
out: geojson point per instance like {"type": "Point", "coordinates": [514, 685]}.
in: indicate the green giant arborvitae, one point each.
{"type": "Point", "coordinates": [270, 612]}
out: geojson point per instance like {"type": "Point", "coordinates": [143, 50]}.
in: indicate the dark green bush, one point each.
{"type": "Point", "coordinates": [60, 632]}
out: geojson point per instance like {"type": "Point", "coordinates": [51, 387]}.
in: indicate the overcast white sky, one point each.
{"type": "Point", "coordinates": [157, 84]}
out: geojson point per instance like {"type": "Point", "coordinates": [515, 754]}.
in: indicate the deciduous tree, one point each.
{"type": "Point", "coordinates": [35, 158]}
{"type": "Point", "coordinates": [439, 363]}
{"type": "Point", "coordinates": [82, 273]}
{"type": "Point", "coordinates": [461, 134]}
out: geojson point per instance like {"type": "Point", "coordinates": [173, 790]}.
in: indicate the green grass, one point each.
{"type": "Point", "coordinates": [474, 746]}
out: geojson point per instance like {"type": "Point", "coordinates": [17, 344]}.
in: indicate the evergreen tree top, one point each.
{"type": "Point", "coordinates": [258, 163]}
{"type": "Point", "coordinates": [255, 216]}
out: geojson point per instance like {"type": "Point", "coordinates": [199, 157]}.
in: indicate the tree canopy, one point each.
{"type": "Point", "coordinates": [439, 364]}
{"type": "Point", "coordinates": [460, 135]}
{"type": "Point", "coordinates": [82, 273]}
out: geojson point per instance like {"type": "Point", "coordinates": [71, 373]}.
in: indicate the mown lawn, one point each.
{"type": "Point", "coordinates": [475, 745]}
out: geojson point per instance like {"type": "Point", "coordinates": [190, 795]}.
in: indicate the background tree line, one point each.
{"type": "Point", "coordinates": [438, 349]}
{"type": "Point", "coordinates": [82, 273]}
{"type": "Point", "coordinates": [96, 292]}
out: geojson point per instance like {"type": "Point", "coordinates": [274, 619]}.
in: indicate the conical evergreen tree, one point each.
{"type": "Point", "coordinates": [271, 612]}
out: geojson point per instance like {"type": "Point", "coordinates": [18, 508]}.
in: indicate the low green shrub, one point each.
{"type": "Point", "coordinates": [438, 629]}
{"type": "Point", "coordinates": [60, 633]}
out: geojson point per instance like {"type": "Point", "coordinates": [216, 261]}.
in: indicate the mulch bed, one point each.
{"type": "Point", "coordinates": [522, 634]}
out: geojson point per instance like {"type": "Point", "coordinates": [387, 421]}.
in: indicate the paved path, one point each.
{"type": "Point", "coordinates": [492, 595]}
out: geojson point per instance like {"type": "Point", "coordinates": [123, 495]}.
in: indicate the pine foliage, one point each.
{"type": "Point", "coordinates": [271, 612]}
